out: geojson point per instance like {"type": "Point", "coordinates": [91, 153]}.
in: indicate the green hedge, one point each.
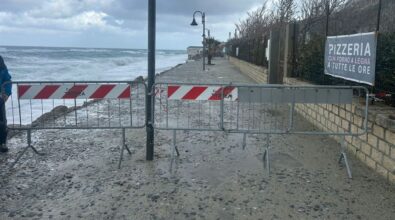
{"type": "Point", "coordinates": [251, 50]}
{"type": "Point", "coordinates": [385, 66]}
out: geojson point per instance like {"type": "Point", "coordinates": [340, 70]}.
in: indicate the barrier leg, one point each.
{"type": "Point", "coordinates": [174, 150]}
{"type": "Point", "coordinates": [174, 144]}
{"type": "Point", "coordinates": [244, 140]}
{"type": "Point", "coordinates": [266, 159]}
{"type": "Point", "coordinates": [124, 146]}
{"type": "Point", "coordinates": [29, 145]}
{"type": "Point", "coordinates": [344, 156]}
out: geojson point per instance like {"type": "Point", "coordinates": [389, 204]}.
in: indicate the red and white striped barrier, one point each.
{"type": "Point", "coordinates": [74, 91]}
{"type": "Point", "coordinates": [208, 93]}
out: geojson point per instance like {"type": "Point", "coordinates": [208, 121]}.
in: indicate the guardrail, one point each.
{"type": "Point", "coordinates": [252, 109]}
{"type": "Point", "coordinates": [76, 105]}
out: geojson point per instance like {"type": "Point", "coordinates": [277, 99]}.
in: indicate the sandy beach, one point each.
{"type": "Point", "coordinates": [213, 178]}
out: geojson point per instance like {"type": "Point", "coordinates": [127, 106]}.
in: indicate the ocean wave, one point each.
{"type": "Point", "coordinates": [115, 64]}
{"type": "Point", "coordinates": [121, 62]}
{"type": "Point", "coordinates": [88, 50]}
{"type": "Point", "coordinates": [136, 52]}
{"type": "Point", "coordinates": [38, 50]}
{"type": "Point", "coordinates": [59, 50]}
{"type": "Point", "coordinates": [3, 49]}
{"type": "Point", "coordinates": [131, 51]}
{"type": "Point", "coordinates": [125, 61]}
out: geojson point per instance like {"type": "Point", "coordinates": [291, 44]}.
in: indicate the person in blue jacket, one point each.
{"type": "Point", "coordinates": [5, 82]}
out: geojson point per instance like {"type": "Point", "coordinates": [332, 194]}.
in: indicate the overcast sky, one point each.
{"type": "Point", "coordinates": [115, 23]}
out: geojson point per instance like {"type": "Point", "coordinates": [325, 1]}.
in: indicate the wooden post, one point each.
{"type": "Point", "coordinates": [289, 49]}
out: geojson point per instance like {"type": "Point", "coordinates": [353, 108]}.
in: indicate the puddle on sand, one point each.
{"type": "Point", "coordinates": [283, 160]}
{"type": "Point", "coordinates": [218, 170]}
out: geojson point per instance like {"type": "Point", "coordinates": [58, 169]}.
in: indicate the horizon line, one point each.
{"type": "Point", "coordinates": [76, 47]}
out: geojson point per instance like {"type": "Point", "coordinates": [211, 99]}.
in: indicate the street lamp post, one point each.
{"type": "Point", "coordinates": [204, 33]}
{"type": "Point", "coordinates": [208, 47]}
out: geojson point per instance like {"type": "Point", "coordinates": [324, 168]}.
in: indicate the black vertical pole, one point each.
{"type": "Point", "coordinates": [209, 47]}
{"type": "Point", "coordinates": [229, 46]}
{"type": "Point", "coordinates": [294, 47]}
{"type": "Point", "coordinates": [377, 32]}
{"type": "Point", "coordinates": [327, 5]}
{"type": "Point", "coordinates": [151, 78]}
{"type": "Point", "coordinates": [378, 17]}
{"type": "Point", "coordinates": [204, 40]}
{"type": "Point", "coordinates": [327, 18]}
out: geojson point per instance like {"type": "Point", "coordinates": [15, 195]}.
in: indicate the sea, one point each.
{"type": "Point", "coordinates": [77, 64]}
{"type": "Point", "coordinates": [74, 64]}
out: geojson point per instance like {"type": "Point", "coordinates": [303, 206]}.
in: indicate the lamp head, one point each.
{"type": "Point", "coordinates": [194, 22]}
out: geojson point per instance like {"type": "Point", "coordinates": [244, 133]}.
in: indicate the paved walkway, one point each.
{"type": "Point", "coordinates": [221, 72]}
{"type": "Point", "coordinates": [212, 179]}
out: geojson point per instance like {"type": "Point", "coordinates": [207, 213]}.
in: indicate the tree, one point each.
{"type": "Point", "coordinates": [213, 46]}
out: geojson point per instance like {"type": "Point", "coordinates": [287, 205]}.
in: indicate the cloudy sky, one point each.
{"type": "Point", "coordinates": [115, 23]}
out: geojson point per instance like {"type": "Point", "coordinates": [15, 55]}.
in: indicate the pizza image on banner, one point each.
{"type": "Point", "coordinates": [352, 57]}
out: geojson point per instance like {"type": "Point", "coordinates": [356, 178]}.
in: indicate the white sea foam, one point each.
{"type": "Point", "coordinates": [36, 50]}
{"type": "Point", "coordinates": [131, 51]}
{"type": "Point", "coordinates": [88, 50]}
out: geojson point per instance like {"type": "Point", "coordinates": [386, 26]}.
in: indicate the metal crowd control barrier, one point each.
{"type": "Point", "coordinates": [255, 109]}
{"type": "Point", "coordinates": [76, 105]}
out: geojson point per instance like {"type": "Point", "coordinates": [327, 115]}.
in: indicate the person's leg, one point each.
{"type": "Point", "coordinates": [3, 127]}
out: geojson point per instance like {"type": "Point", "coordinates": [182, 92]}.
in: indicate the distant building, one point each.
{"type": "Point", "coordinates": [194, 52]}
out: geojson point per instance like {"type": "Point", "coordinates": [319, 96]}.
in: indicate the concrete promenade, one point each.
{"type": "Point", "coordinates": [214, 178]}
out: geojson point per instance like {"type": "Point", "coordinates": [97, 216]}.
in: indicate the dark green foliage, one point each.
{"type": "Point", "coordinates": [212, 42]}
{"type": "Point", "coordinates": [385, 66]}
{"type": "Point", "coordinates": [251, 50]}
{"type": "Point", "coordinates": [212, 48]}
{"type": "Point", "coordinates": [310, 65]}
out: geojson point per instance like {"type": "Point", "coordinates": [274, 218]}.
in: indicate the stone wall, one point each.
{"type": "Point", "coordinates": [257, 73]}
{"type": "Point", "coordinates": [376, 149]}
